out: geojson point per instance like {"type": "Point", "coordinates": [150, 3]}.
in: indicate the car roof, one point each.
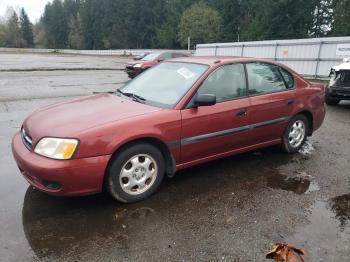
{"type": "Point", "coordinates": [214, 60]}
{"type": "Point", "coordinates": [169, 51]}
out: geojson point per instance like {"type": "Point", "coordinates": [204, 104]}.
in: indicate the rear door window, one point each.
{"type": "Point", "coordinates": [264, 78]}
{"type": "Point", "coordinates": [166, 56]}
{"type": "Point", "coordinates": [175, 55]}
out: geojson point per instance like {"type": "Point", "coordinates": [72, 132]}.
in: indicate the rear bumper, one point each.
{"type": "Point", "coordinates": [319, 117]}
{"type": "Point", "coordinates": [338, 93]}
{"type": "Point", "coordinates": [75, 177]}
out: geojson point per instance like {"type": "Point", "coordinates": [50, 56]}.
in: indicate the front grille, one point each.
{"type": "Point", "coordinates": [27, 140]}
{"type": "Point", "coordinates": [130, 67]}
{"type": "Point", "coordinates": [342, 79]}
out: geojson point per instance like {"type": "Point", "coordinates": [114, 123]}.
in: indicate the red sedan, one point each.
{"type": "Point", "coordinates": [134, 68]}
{"type": "Point", "coordinates": [183, 112]}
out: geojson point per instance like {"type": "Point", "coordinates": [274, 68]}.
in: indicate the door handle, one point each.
{"type": "Point", "coordinates": [290, 102]}
{"type": "Point", "coordinates": [242, 112]}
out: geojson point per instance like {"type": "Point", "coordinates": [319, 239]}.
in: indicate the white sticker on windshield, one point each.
{"type": "Point", "coordinates": [186, 73]}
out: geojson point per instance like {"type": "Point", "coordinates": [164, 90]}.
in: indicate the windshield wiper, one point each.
{"type": "Point", "coordinates": [135, 97]}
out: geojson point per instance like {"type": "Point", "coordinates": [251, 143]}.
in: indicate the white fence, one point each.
{"type": "Point", "coordinates": [310, 57]}
{"type": "Point", "coordinates": [118, 52]}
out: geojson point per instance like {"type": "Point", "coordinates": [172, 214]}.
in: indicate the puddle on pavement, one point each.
{"type": "Point", "coordinates": [299, 185]}
{"type": "Point", "coordinates": [307, 149]}
{"type": "Point", "coordinates": [325, 236]}
{"type": "Point", "coordinates": [57, 225]}
{"type": "Point", "coordinates": [341, 207]}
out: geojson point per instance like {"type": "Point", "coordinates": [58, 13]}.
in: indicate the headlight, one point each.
{"type": "Point", "coordinates": [56, 148]}
{"type": "Point", "coordinates": [137, 66]}
{"type": "Point", "coordinates": [332, 80]}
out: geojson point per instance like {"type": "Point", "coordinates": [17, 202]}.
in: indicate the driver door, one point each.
{"type": "Point", "coordinates": [223, 127]}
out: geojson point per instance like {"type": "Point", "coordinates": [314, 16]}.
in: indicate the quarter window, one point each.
{"type": "Point", "coordinates": [227, 82]}
{"type": "Point", "coordinates": [264, 78]}
{"type": "Point", "coordinates": [288, 78]}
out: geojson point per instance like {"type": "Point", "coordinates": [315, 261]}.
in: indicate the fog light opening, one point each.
{"type": "Point", "coordinates": [52, 185]}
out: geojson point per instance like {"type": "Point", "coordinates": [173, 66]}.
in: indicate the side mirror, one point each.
{"type": "Point", "coordinates": [205, 100]}
{"type": "Point", "coordinates": [160, 59]}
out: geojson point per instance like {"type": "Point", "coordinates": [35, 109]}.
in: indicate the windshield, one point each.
{"type": "Point", "coordinates": [150, 57]}
{"type": "Point", "coordinates": [164, 85]}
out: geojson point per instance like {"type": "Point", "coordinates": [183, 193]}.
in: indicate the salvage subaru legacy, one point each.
{"type": "Point", "coordinates": [181, 113]}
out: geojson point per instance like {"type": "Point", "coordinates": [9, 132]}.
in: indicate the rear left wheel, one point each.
{"type": "Point", "coordinates": [296, 133]}
{"type": "Point", "coordinates": [135, 173]}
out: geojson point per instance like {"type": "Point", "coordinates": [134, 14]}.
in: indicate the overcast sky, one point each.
{"type": "Point", "coordinates": [34, 8]}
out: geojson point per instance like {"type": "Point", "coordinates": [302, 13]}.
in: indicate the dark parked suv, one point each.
{"type": "Point", "coordinates": [339, 85]}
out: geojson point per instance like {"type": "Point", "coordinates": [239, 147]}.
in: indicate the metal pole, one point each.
{"type": "Point", "coordinates": [216, 50]}
{"type": "Point", "coordinates": [242, 50]}
{"type": "Point", "coordinates": [238, 31]}
{"type": "Point", "coordinates": [318, 58]}
{"type": "Point", "coordinates": [189, 43]}
{"type": "Point", "coordinates": [276, 47]}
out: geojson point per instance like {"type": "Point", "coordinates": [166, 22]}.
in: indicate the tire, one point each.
{"type": "Point", "coordinates": [135, 173]}
{"type": "Point", "coordinates": [332, 102]}
{"type": "Point", "coordinates": [293, 142]}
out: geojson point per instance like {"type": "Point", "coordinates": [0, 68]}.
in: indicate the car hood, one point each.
{"type": "Point", "coordinates": [344, 66]}
{"type": "Point", "coordinates": [67, 119]}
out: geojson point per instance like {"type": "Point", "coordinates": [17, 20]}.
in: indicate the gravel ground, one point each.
{"type": "Point", "coordinates": [233, 209]}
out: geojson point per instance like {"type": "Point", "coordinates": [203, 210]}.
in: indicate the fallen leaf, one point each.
{"type": "Point", "coordinates": [284, 252]}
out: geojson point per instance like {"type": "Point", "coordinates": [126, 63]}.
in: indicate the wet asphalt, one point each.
{"type": "Point", "coordinates": [232, 209]}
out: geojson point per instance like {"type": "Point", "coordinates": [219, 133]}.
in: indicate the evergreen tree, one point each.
{"type": "Point", "coordinates": [2, 33]}
{"type": "Point", "coordinates": [280, 19]}
{"type": "Point", "coordinates": [12, 36]}
{"type": "Point", "coordinates": [201, 23]}
{"type": "Point", "coordinates": [341, 26]}
{"type": "Point", "coordinates": [40, 38]}
{"type": "Point", "coordinates": [323, 17]}
{"type": "Point", "coordinates": [76, 38]}
{"type": "Point", "coordinates": [56, 25]}
{"type": "Point", "coordinates": [167, 33]}
{"type": "Point", "coordinates": [26, 29]}
{"type": "Point", "coordinates": [231, 13]}
{"type": "Point", "coordinates": [93, 16]}
{"type": "Point", "coordinates": [104, 24]}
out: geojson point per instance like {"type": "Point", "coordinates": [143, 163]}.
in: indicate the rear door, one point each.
{"type": "Point", "coordinates": [272, 97]}
{"type": "Point", "coordinates": [212, 130]}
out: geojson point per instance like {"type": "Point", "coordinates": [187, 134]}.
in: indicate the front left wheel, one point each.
{"type": "Point", "coordinates": [332, 102]}
{"type": "Point", "coordinates": [135, 173]}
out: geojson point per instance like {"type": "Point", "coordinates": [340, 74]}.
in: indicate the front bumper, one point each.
{"type": "Point", "coordinates": [338, 93]}
{"type": "Point", "coordinates": [75, 177]}
{"type": "Point", "coordinates": [133, 72]}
